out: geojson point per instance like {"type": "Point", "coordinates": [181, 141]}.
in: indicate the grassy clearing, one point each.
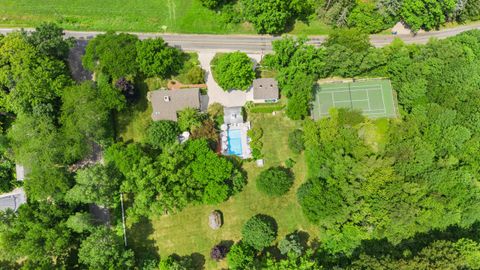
{"type": "Point", "coordinates": [179, 16]}
{"type": "Point", "coordinates": [187, 232]}
{"type": "Point", "coordinates": [132, 122]}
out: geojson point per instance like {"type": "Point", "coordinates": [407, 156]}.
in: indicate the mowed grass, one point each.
{"type": "Point", "coordinates": [179, 16]}
{"type": "Point", "coordinates": [188, 232]}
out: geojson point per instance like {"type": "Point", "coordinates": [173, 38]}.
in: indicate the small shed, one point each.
{"type": "Point", "coordinates": [20, 172]}
{"type": "Point", "coordinates": [232, 115]}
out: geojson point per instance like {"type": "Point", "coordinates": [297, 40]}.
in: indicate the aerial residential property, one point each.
{"type": "Point", "coordinates": [240, 134]}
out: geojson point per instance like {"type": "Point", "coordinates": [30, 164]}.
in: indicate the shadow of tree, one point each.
{"type": "Point", "coordinates": [138, 239]}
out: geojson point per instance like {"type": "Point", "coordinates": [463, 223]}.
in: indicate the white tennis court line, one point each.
{"type": "Point", "coordinates": [368, 100]}
{"type": "Point", "coordinates": [346, 90]}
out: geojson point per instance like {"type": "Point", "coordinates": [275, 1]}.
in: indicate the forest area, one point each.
{"type": "Point", "coordinates": [406, 197]}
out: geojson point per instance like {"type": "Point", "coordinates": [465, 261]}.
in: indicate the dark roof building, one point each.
{"type": "Point", "coordinates": [166, 103]}
{"type": "Point", "coordinates": [265, 89]}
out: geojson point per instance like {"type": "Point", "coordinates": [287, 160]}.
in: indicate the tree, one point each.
{"type": "Point", "coordinates": [213, 4]}
{"type": "Point", "coordinates": [104, 250]}
{"type": "Point", "coordinates": [156, 58]}
{"type": "Point", "coordinates": [275, 181]}
{"type": "Point", "coordinates": [259, 231]}
{"type": "Point", "coordinates": [298, 105]}
{"type": "Point", "coordinates": [162, 133]}
{"type": "Point", "coordinates": [189, 119]}
{"type": "Point", "coordinates": [175, 262]}
{"type": "Point", "coordinates": [80, 222]}
{"type": "Point", "coordinates": [218, 252]}
{"type": "Point", "coordinates": [233, 71]}
{"type": "Point", "coordinates": [308, 261]}
{"type": "Point", "coordinates": [98, 184]}
{"type": "Point", "coordinates": [240, 256]}
{"type": "Point", "coordinates": [426, 14]}
{"type": "Point", "coordinates": [207, 131]}
{"type": "Point", "coordinates": [37, 235]}
{"type": "Point", "coordinates": [269, 16]}
{"type": "Point", "coordinates": [6, 174]}
{"type": "Point", "coordinates": [366, 17]}
{"type": "Point", "coordinates": [295, 141]}
{"type": "Point", "coordinates": [291, 245]}
{"type": "Point", "coordinates": [112, 54]}
{"type": "Point", "coordinates": [49, 39]}
{"type": "Point", "coordinates": [127, 88]}
{"type": "Point", "coordinates": [85, 117]}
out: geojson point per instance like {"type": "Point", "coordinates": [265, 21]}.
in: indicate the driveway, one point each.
{"type": "Point", "coordinates": [215, 92]}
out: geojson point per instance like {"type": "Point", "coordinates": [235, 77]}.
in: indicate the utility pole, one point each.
{"type": "Point", "coordinates": [123, 220]}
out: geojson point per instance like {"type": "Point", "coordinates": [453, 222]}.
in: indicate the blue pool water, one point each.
{"type": "Point", "coordinates": [235, 142]}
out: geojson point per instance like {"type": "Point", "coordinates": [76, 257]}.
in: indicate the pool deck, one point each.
{"type": "Point", "coordinates": [243, 127]}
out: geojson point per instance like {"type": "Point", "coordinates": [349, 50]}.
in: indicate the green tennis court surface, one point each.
{"type": "Point", "coordinates": [373, 98]}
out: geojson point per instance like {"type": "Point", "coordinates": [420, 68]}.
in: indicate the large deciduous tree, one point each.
{"type": "Point", "coordinates": [156, 58]}
{"type": "Point", "coordinates": [112, 54]}
{"type": "Point", "coordinates": [49, 39]}
{"type": "Point", "coordinates": [233, 71]}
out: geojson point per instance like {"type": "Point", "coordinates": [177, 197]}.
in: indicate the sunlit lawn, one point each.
{"type": "Point", "coordinates": [188, 232]}
{"type": "Point", "coordinates": [175, 16]}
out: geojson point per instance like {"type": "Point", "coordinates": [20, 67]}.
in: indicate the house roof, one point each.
{"type": "Point", "coordinates": [12, 200]}
{"type": "Point", "coordinates": [232, 115]}
{"type": "Point", "coordinates": [166, 103]}
{"type": "Point", "coordinates": [265, 88]}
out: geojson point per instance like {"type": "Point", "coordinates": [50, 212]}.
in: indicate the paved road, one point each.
{"type": "Point", "coordinates": [259, 43]}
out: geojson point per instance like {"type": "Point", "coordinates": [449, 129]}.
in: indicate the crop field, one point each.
{"type": "Point", "coordinates": [174, 16]}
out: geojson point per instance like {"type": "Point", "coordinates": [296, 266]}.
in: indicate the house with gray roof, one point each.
{"type": "Point", "coordinates": [12, 200]}
{"type": "Point", "coordinates": [265, 90]}
{"type": "Point", "coordinates": [166, 103]}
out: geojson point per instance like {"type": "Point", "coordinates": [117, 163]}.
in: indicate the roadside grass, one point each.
{"type": "Point", "coordinates": [188, 232]}
{"type": "Point", "coordinates": [179, 16]}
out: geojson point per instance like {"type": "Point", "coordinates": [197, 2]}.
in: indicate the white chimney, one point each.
{"type": "Point", "coordinates": [166, 98]}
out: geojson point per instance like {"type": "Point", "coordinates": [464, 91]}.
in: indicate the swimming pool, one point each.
{"type": "Point", "coordinates": [235, 142]}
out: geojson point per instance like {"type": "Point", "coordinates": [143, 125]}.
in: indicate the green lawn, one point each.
{"type": "Point", "coordinates": [187, 232]}
{"type": "Point", "coordinates": [179, 16]}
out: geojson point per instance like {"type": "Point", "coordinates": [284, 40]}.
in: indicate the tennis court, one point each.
{"type": "Point", "coordinates": [373, 98]}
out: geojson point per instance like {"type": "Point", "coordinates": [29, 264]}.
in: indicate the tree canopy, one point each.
{"type": "Point", "coordinates": [156, 58]}
{"type": "Point", "coordinates": [233, 71]}
{"type": "Point", "coordinates": [275, 181]}
{"type": "Point", "coordinates": [259, 232]}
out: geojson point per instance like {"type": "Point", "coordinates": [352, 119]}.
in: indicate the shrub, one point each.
{"type": "Point", "coordinates": [189, 119]}
{"type": "Point", "coordinates": [207, 131]}
{"type": "Point", "coordinates": [275, 181]}
{"type": "Point", "coordinates": [240, 256]}
{"type": "Point", "coordinates": [161, 133]}
{"type": "Point", "coordinates": [291, 244]}
{"type": "Point", "coordinates": [259, 231]}
{"type": "Point", "coordinates": [289, 163]}
{"type": "Point", "coordinates": [195, 75]}
{"type": "Point", "coordinates": [215, 111]}
{"type": "Point", "coordinates": [256, 144]}
{"type": "Point", "coordinates": [233, 71]}
{"type": "Point", "coordinates": [296, 141]}
{"type": "Point", "coordinates": [218, 252]}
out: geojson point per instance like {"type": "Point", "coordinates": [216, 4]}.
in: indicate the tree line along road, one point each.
{"type": "Point", "coordinates": [262, 43]}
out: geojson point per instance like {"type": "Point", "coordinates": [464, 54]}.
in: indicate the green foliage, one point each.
{"type": "Point", "coordinates": [156, 58]}
{"type": "Point", "coordinates": [195, 75]}
{"type": "Point", "coordinates": [189, 119]}
{"type": "Point", "coordinates": [33, 82]}
{"type": "Point", "coordinates": [255, 134]}
{"type": "Point", "coordinates": [213, 4]}
{"type": "Point", "coordinates": [85, 117]}
{"type": "Point", "coordinates": [265, 108]}
{"type": "Point", "coordinates": [104, 250]}
{"type": "Point", "coordinates": [98, 184]}
{"type": "Point", "coordinates": [80, 222]}
{"type": "Point", "coordinates": [426, 14]}
{"type": "Point", "coordinates": [207, 131]}
{"type": "Point", "coordinates": [291, 245]}
{"type": "Point", "coordinates": [240, 256]}
{"type": "Point", "coordinates": [296, 142]}
{"type": "Point", "coordinates": [112, 54]}
{"type": "Point", "coordinates": [162, 133]}
{"type": "Point", "coordinates": [308, 261]}
{"type": "Point", "coordinates": [7, 168]}
{"type": "Point", "coordinates": [259, 232]}
{"type": "Point", "coordinates": [215, 112]}
{"type": "Point", "coordinates": [49, 40]}
{"type": "Point", "coordinates": [38, 235]}
{"type": "Point", "coordinates": [298, 105]}
{"type": "Point", "coordinates": [233, 71]}
{"type": "Point", "coordinates": [366, 17]}
{"type": "Point", "coordinates": [275, 181]}
{"type": "Point", "coordinates": [185, 173]}
{"type": "Point", "coordinates": [269, 16]}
